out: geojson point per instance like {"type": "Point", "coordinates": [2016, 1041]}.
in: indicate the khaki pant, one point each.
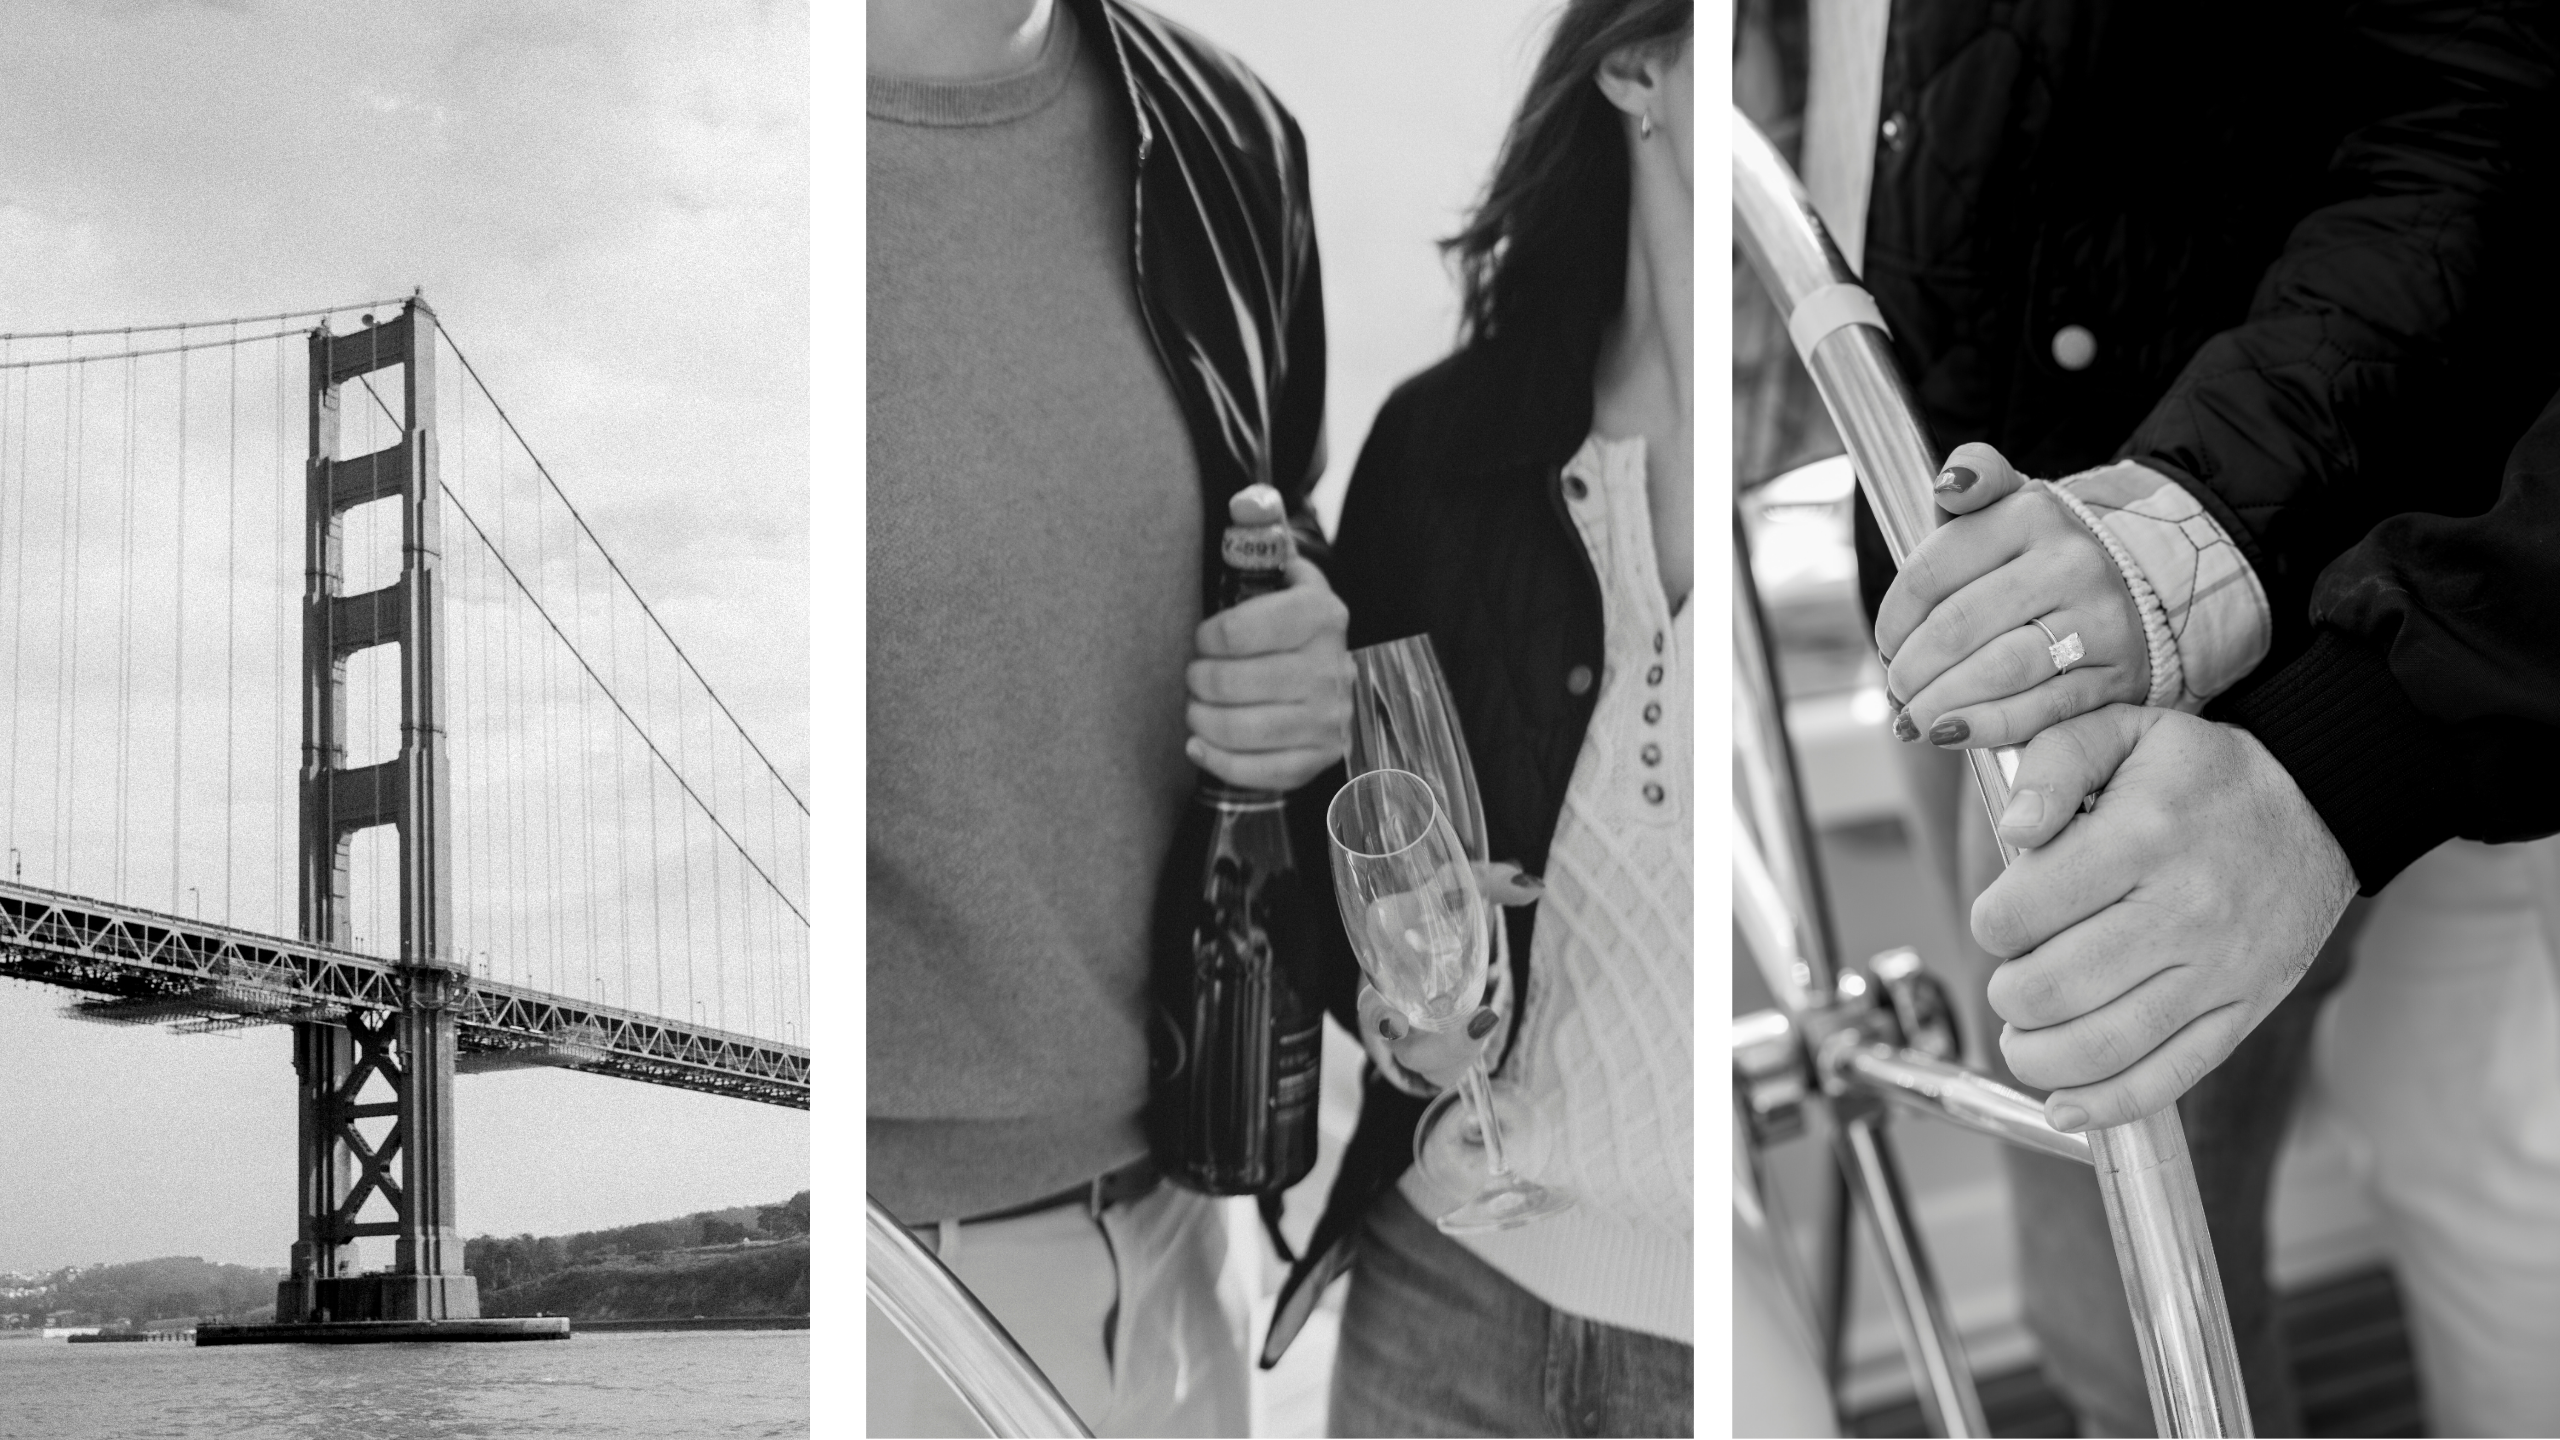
{"type": "Point", "coordinates": [1123, 1315]}
{"type": "Point", "coordinates": [2441, 1059]}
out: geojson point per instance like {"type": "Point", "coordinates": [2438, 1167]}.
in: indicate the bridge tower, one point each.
{"type": "Point", "coordinates": [411, 1050]}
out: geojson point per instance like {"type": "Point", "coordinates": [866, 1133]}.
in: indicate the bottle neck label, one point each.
{"type": "Point", "coordinates": [1256, 547]}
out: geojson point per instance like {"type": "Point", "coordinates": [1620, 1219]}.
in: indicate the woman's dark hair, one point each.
{"type": "Point", "coordinates": [1544, 257]}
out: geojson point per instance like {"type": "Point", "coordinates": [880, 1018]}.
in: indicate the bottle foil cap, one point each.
{"type": "Point", "coordinates": [1258, 538]}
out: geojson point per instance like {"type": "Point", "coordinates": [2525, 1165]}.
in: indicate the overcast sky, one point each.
{"type": "Point", "coordinates": [608, 206]}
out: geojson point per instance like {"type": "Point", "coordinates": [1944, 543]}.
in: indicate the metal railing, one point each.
{"type": "Point", "coordinates": [1856, 1040]}
{"type": "Point", "coordinates": [964, 1343]}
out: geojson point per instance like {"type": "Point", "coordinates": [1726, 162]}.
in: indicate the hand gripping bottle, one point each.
{"type": "Point", "coordinates": [1237, 1032]}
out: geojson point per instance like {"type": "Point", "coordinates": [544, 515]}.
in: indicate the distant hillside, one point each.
{"type": "Point", "coordinates": [751, 1279]}
{"type": "Point", "coordinates": [749, 1260]}
{"type": "Point", "coordinates": [144, 1290]}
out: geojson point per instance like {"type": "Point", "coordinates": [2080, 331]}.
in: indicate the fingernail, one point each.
{"type": "Point", "coordinates": [1387, 1026]}
{"type": "Point", "coordinates": [1198, 752]}
{"type": "Point", "coordinates": [1904, 727]}
{"type": "Point", "coordinates": [1482, 1025]}
{"type": "Point", "coordinates": [1949, 731]}
{"type": "Point", "coordinates": [1527, 881]}
{"type": "Point", "coordinates": [1955, 480]}
{"type": "Point", "coordinates": [2025, 808]}
{"type": "Point", "coordinates": [1896, 701]}
{"type": "Point", "coordinates": [2069, 1117]}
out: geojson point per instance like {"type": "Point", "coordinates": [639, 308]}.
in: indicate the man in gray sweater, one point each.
{"type": "Point", "coordinates": [1041, 474]}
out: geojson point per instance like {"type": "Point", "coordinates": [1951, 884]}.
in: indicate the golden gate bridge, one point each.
{"type": "Point", "coordinates": [328, 709]}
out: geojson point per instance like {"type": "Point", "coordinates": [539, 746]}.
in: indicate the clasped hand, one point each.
{"type": "Point", "coordinates": [1965, 660]}
{"type": "Point", "coordinates": [2146, 938]}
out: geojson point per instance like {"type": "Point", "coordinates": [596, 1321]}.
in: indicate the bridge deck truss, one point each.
{"type": "Point", "coordinates": [146, 967]}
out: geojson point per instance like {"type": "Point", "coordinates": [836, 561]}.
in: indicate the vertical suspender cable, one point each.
{"type": "Point", "coordinates": [657, 850]}
{"type": "Point", "coordinates": [514, 696]}
{"type": "Point", "coordinates": [124, 650]}
{"type": "Point", "coordinates": [719, 937]}
{"type": "Point", "coordinates": [75, 441]}
{"type": "Point", "coordinates": [684, 846]}
{"type": "Point", "coordinates": [8, 375]}
{"type": "Point", "coordinates": [551, 807]}
{"type": "Point", "coordinates": [621, 791]}
{"type": "Point", "coordinates": [178, 659]}
{"type": "Point", "coordinates": [586, 778]}
{"type": "Point", "coordinates": [282, 761]}
{"type": "Point", "coordinates": [17, 617]}
{"type": "Point", "coordinates": [230, 626]}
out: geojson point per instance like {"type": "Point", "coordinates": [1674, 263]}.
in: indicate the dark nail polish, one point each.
{"type": "Point", "coordinates": [1386, 1027]}
{"type": "Point", "coordinates": [1527, 881]}
{"type": "Point", "coordinates": [1482, 1025]}
{"type": "Point", "coordinates": [1949, 731]}
{"type": "Point", "coordinates": [1904, 727]}
{"type": "Point", "coordinates": [1896, 701]}
{"type": "Point", "coordinates": [1956, 480]}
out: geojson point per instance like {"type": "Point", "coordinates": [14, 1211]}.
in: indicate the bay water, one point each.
{"type": "Point", "coordinates": [643, 1385]}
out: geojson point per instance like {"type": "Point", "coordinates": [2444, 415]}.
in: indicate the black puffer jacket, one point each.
{"type": "Point", "coordinates": [2313, 241]}
{"type": "Point", "coordinates": [1455, 527]}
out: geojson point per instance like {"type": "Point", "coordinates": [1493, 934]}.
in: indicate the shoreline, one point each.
{"type": "Point", "coordinates": [696, 1322]}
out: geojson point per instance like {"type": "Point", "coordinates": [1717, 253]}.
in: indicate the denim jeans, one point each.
{"type": "Point", "coordinates": [1437, 1342]}
{"type": "Point", "coordinates": [2235, 1122]}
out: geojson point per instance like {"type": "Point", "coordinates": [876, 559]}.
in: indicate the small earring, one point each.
{"type": "Point", "coordinates": [1644, 127]}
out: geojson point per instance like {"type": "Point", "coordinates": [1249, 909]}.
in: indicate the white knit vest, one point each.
{"type": "Point", "coordinates": [1605, 1065]}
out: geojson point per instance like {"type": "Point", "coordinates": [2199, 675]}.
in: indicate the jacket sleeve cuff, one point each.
{"type": "Point", "coordinates": [2204, 615]}
{"type": "Point", "coordinates": [2366, 759]}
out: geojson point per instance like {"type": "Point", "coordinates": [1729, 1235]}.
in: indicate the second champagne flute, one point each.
{"type": "Point", "coordinates": [1417, 922]}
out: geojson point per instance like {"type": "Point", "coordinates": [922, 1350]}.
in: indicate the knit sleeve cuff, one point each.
{"type": "Point", "coordinates": [2365, 758]}
{"type": "Point", "coordinates": [2204, 615]}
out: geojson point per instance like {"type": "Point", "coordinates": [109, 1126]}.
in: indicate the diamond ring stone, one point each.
{"type": "Point", "coordinates": [2066, 652]}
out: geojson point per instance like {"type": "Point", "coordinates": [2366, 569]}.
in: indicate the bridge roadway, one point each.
{"type": "Point", "coordinates": [147, 967]}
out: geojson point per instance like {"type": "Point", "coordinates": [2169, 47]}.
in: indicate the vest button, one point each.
{"type": "Point", "coordinates": [1652, 793]}
{"type": "Point", "coordinates": [1895, 132]}
{"type": "Point", "coordinates": [1652, 711]}
{"type": "Point", "coordinates": [1653, 675]}
{"type": "Point", "coordinates": [1574, 487]}
{"type": "Point", "coordinates": [1652, 754]}
{"type": "Point", "coordinates": [1657, 642]}
{"type": "Point", "coordinates": [1577, 681]}
{"type": "Point", "coordinates": [2074, 347]}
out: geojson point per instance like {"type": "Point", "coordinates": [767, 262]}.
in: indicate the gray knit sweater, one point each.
{"type": "Point", "coordinates": [1032, 535]}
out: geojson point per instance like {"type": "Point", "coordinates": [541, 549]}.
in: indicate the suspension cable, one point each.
{"type": "Point", "coordinates": [198, 324]}
{"type": "Point", "coordinates": [181, 349]}
{"type": "Point", "coordinates": [539, 609]}
{"type": "Point", "coordinates": [574, 514]}
{"type": "Point", "coordinates": [524, 590]}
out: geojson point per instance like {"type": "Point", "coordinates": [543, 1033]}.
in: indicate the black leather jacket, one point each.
{"type": "Point", "coordinates": [1225, 258]}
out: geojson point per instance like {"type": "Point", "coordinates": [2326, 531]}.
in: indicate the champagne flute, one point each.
{"type": "Point", "coordinates": [1417, 921]}
{"type": "Point", "coordinates": [1402, 719]}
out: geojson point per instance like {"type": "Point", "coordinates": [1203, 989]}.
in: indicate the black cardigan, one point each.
{"type": "Point", "coordinates": [1455, 526]}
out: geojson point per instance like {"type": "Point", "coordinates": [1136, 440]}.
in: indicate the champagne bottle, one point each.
{"type": "Point", "coordinates": [1238, 1033]}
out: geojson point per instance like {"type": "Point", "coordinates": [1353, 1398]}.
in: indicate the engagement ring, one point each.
{"type": "Point", "coordinates": [2066, 652]}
